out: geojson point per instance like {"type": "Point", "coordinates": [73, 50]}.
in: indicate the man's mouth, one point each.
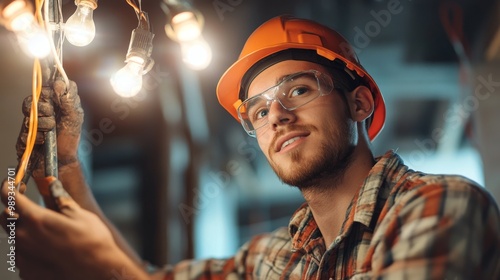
{"type": "Point", "coordinates": [290, 142]}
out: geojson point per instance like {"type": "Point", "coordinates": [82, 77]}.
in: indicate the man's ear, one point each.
{"type": "Point", "coordinates": [361, 103]}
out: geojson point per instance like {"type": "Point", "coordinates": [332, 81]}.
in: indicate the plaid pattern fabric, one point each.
{"type": "Point", "coordinates": [402, 224]}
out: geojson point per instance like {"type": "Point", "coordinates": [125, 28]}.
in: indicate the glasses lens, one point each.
{"type": "Point", "coordinates": [294, 91]}
{"type": "Point", "coordinates": [253, 112]}
{"type": "Point", "coordinates": [298, 90]}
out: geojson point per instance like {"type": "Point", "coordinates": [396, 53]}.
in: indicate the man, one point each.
{"type": "Point", "coordinates": [300, 90]}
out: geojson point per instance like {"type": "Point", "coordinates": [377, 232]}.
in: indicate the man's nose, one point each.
{"type": "Point", "coordinates": [278, 115]}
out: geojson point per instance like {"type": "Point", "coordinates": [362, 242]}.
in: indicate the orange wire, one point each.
{"type": "Point", "coordinates": [33, 122]}
{"type": "Point", "coordinates": [38, 12]}
{"type": "Point", "coordinates": [137, 9]}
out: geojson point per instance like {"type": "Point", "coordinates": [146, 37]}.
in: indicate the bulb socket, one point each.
{"type": "Point", "coordinates": [91, 3]}
{"type": "Point", "coordinates": [141, 44]}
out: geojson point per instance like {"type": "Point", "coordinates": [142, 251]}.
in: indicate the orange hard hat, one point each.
{"type": "Point", "coordinates": [287, 32]}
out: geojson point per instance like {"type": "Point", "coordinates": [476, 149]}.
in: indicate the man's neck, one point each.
{"type": "Point", "coordinates": [329, 200]}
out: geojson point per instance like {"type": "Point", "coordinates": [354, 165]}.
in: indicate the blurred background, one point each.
{"type": "Point", "coordinates": [181, 179]}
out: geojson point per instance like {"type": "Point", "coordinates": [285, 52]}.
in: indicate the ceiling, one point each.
{"type": "Point", "coordinates": [419, 52]}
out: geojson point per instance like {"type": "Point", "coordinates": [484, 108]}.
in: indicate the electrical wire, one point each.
{"type": "Point", "coordinates": [141, 16]}
{"type": "Point", "coordinates": [36, 91]}
{"type": "Point", "coordinates": [137, 7]}
{"type": "Point", "coordinates": [33, 123]}
{"type": "Point", "coordinates": [56, 53]}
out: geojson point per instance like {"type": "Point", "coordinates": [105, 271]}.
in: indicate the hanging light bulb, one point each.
{"type": "Point", "coordinates": [196, 53]}
{"type": "Point", "coordinates": [184, 26]}
{"type": "Point", "coordinates": [184, 23]}
{"type": "Point", "coordinates": [31, 37]}
{"type": "Point", "coordinates": [80, 27]}
{"type": "Point", "coordinates": [18, 17]}
{"type": "Point", "coordinates": [127, 82]}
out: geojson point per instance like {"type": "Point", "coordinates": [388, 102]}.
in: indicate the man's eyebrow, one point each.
{"type": "Point", "coordinates": [286, 76]}
{"type": "Point", "coordinates": [282, 78]}
{"type": "Point", "coordinates": [276, 82]}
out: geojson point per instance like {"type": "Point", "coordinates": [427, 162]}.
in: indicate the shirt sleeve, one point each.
{"type": "Point", "coordinates": [230, 268]}
{"type": "Point", "coordinates": [241, 266]}
{"type": "Point", "coordinates": [441, 230]}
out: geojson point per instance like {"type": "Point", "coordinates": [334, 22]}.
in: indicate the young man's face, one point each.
{"type": "Point", "coordinates": [310, 143]}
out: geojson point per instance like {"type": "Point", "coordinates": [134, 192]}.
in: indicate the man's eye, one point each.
{"type": "Point", "coordinates": [259, 114]}
{"type": "Point", "coordinates": [297, 91]}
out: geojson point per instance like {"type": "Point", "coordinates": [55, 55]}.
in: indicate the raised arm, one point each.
{"type": "Point", "coordinates": [66, 113]}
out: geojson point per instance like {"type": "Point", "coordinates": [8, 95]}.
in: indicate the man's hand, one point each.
{"type": "Point", "coordinates": [64, 103]}
{"type": "Point", "coordinates": [59, 106]}
{"type": "Point", "coordinates": [70, 244]}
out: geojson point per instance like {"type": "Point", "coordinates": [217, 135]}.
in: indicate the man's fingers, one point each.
{"type": "Point", "coordinates": [8, 191]}
{"type": "Point", "coordinates": [33, 217]}
{"type": "Point", "coordinates": [61, 88]}
{"type": "Point", "coordinates": [17, 203]}
{"type": "Point", "coordinates": [45, 108]}
{"type": "Point", "coordinates": [46, 93]}
{"type": "Point", "coordinates": [26, 208]}
{"type": "Point", "coordinates": [27, 105]}
{"type": "Point", "coordinates": [22, 187]}
{"type": "Point", "coordinates": [46, 123]}
{"type": "Point", "coordinates": [23, 139]}
{"type": "Point", "coordinates": [69, 101]}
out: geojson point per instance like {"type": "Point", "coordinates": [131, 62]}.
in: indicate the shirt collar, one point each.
{"type": "Point", "coordinates": [377, 186]}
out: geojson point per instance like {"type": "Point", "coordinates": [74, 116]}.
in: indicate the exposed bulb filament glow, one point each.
{"type": "Point", "coordinates": [127, 82]}
{"type": "Point", "coordinates": [80, 27]}
{"type": "Point", "coordinates": [185, 26]}
{"type": "Point", "coordinates": [197, 54]}
{"type": "Point", "coordinates": [31, 37]}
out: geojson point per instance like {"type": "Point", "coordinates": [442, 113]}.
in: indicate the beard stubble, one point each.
{"type": "Point", "coordinates": [329, 163]}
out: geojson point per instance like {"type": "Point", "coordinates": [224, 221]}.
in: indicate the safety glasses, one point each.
{"type": "Point", "coordinates": [294, 91]}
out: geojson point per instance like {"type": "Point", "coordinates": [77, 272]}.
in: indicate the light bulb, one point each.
{"type": "Point", "coordinates": [186, 26]}
{"type": "Point", "coordinates": [31, 37]}
{"type": "Point", "coordinates": [127, 82]}
{"type": "Point", "coordinates": [80, 27]}
{"type": "Point", "coordinates": [196, 53]}
{"type": "Point", "coordinates": [34, 44]}
{"type": "Point", "coordinates": [18, 17]}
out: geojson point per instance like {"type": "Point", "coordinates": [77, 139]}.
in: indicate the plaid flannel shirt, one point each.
{"type": "Point", "coordinates": [402, 224]}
